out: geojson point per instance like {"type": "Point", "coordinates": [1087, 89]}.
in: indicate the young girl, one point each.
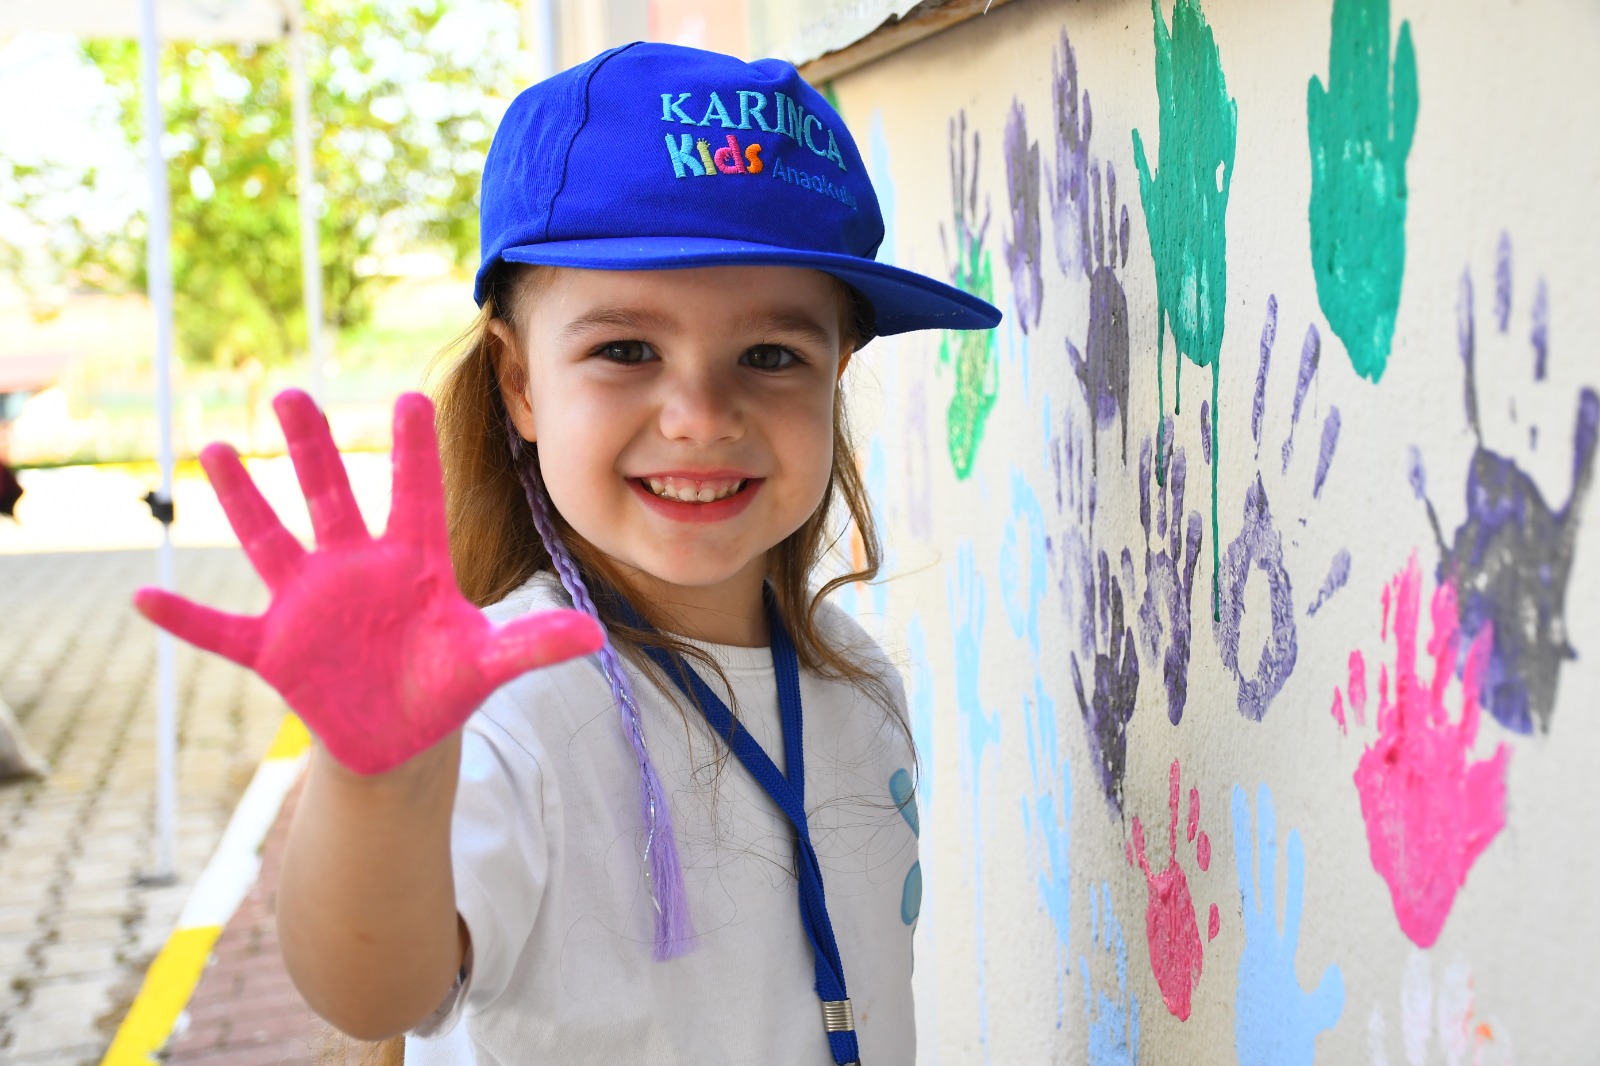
{"type": "Point", "coordinates": [645, 432]}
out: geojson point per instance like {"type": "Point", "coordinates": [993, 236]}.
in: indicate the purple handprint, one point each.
{"type": "Point", "coordinates": [1069, 183]}
{"type": "Point", "coordinates": [1511, 556]}
{"type": "Point", "coordinates": [1025, 244]}
{"type": "Point", "coordinates": [1103, 371]}
{"type": "Point", "coordinates": [1107, 702]}
{"type": "Point", "coordinates": [1169, 565]}
{"type": "Point", "coordinates": [1259, 546]}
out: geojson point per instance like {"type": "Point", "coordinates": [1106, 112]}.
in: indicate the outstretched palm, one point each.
{"type": "Point", "coordinates": [368, 639]}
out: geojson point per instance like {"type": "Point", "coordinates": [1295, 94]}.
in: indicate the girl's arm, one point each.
{"type": "Point", "coordinates": [367, 917]}
{"type": "Point", "coordinates": [370, 641]}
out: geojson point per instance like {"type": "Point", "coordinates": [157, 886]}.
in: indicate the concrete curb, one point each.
{"type": "Point", "coordinates": [176, 970]}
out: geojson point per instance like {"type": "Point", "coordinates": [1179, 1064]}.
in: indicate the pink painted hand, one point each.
{"type": "Point", "coordinates": [1430, 808]}
{"type": "Point", "coordinates": [368, 639]}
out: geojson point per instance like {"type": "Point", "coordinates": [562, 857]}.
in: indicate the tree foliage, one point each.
{"type": "Point", "coordinates": [404, 98]}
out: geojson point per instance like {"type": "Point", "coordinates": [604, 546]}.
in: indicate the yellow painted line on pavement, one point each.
{"type": "Point", "coordinates": [168, 984]}
{"type": "Point", "coordinates": [228, 876]}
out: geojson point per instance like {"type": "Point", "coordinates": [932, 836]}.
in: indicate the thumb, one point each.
{"type": "Point", "coordinates": [539, 640]}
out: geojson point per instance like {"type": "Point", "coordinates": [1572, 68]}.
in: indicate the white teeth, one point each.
{"type": "Point", "coordinates": [687, 491]}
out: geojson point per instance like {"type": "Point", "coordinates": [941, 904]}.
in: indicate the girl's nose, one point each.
{"type": "Point", "coordinates": [701, 408]}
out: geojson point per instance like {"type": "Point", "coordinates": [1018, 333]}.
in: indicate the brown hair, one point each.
{"type": "Point", "coordinates": [495, 548]}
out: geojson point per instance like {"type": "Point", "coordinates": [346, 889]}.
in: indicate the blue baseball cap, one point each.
{"type": "Point", "coordinates": [655, 156]}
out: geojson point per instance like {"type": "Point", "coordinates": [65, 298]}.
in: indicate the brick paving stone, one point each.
{"type": "Point", "coordinates": [245, 1011]}
{"type": "Point", "coordinates": [77, 928]}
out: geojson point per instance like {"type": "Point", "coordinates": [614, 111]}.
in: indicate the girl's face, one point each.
{"type": "Point", "coordinates": [684, 417]}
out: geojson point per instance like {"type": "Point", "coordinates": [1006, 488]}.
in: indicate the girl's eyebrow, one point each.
{"type": "Point", "coordinates": [791, 321]}
{"type": "Point", "coordinates": [626, 319]}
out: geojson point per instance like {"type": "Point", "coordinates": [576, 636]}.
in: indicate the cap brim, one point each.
{"type": "Point", "coordinates": [902, 300]}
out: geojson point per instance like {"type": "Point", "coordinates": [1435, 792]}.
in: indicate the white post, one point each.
{"type": "Point", "coordinates": [159, 267]}
{"type": "Point", "coordinates": [539, 36]}
{"type": "Point", "coordinates": [306, 177]}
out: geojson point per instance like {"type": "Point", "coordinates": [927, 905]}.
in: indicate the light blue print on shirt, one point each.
{"type": "Point", "coordinates": [904, 794]}
{"type": "Point", "coordinates": [1275, 1022]}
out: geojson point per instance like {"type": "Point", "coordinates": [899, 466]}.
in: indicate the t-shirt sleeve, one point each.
{"type": "Point", "coordinates": [501, 860]}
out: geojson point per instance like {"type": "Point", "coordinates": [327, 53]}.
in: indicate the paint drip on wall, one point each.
{"type": "Point", "coordinates": [1186, 206]}
{"type": "Point", "coordinates": [1430, 810]}
{"type": "Point", "coordinates": [1360, 129]}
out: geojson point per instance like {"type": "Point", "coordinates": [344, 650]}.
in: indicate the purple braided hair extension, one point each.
{"type": "Point", "coordinates": [662, 869]}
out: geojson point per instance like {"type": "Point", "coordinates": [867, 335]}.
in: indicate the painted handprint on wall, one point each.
{"type": "Point", "coordinates": [1186, 203]}
{"type": "Point", "coordinates": [1360, 128]}
{"type": "Point", "coordinates": [1258, 547]}
{"type": "Point", "coordinates": [977, 370]}
{"type": "Point", "coordinates": [1442, 1013]}
{"type": "Point", "coordinates": [1169, 565]}
{"type": "Point", "coordinates": [1511, 556]}
{"type": "Point", "coordinates": [1047, 818]}
{"type": "Point", "coordinates": [1176, 954]}
{"type": "Point", "coordinates": [1091, 232]}
{"type": "Point", "coordinates": [1430, 810]}
{"type": "Point", "coordinates": [1275, 1022]}
{"type": "Point", "coordinates": [1069, 182]}
{"type": "Point", "coordinates": [1102, 371]}
{"type": "Point", "coordinates": [1113, 1012]}
{"type": "Point", "coordinates": [1025, 243]}
{"type": "Point", "coordinates": [968, 603]}
{"type": "Point", "coordinates": [1108, 694]}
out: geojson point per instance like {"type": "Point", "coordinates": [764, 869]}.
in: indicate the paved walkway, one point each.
{"type": "Point", "coordinates": [245, 1012]}
{"type": "Point", "coordinates": [77, 929]}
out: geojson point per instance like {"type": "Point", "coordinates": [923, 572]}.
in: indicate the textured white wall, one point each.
{"type": "Point", "coordinates": [1440, 878]}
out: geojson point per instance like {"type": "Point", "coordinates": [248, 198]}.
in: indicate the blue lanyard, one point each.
{"type": "Point", "coordinates": [788, 792]}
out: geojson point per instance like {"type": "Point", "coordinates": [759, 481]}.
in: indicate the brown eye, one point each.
{"type": "Point", "coordinates": [627, 352]}
{"type": "Point", "coordinates": [770, 357]}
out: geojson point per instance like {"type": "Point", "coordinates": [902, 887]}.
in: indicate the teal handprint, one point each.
{"type": "Point", "coordinates": [1186, 203]}
{"type": "Point", "coordinates": [1361, 127]}
{"type": "Point", "coordinates": [1275, 1022]}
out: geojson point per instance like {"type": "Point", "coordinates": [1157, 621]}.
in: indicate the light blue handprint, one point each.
{"type": "Point", "coordinates": [1113, 1019]}
{"type": "Point", "coordinates": [1275, 1022]}
{"type": "Point", "coordinates": [967, 600]}
{"type": "Point", "coordinates": [1047, 817]}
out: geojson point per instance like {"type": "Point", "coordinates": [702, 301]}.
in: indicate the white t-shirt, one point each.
{"type": "Point", "coordinates": [546, 840]}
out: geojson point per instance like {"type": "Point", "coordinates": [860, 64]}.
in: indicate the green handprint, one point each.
{"type": "Point", "coordinates": [1360, 128]}
{"type": "Point", "coordinates": [1186, 204]}
{"type": "Point", "coordinates": [977, 368]}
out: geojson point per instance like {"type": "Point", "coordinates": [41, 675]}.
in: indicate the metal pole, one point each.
{"type": "Point", "coordinates": [159, 267]}
{"type": "Point", "coordinates": [309, 197]}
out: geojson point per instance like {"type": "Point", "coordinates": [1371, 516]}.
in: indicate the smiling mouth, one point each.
{"type": "Point", "coordinates": [689, 490]}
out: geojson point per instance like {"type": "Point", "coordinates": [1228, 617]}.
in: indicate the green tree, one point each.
{"type": "Point", "coordinates": [405, 95]}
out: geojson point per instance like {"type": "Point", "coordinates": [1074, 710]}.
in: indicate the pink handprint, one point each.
{"type": "Point", "coordinates": [1176, 955]}
{"type": "Point", "coordinates": [368, 639]}
{"type": "Point", "coordinates": [1430, 812]}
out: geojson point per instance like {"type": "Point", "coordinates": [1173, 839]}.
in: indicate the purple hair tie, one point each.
{"type": "Point", "coordinates": [663, 870]}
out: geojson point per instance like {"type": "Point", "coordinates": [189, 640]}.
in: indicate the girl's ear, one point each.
{"type": "Point", "coordinates": [511, 370]}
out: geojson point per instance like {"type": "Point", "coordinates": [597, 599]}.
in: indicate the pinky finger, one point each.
{"type": "Point", "coordinates": [232, 636]}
